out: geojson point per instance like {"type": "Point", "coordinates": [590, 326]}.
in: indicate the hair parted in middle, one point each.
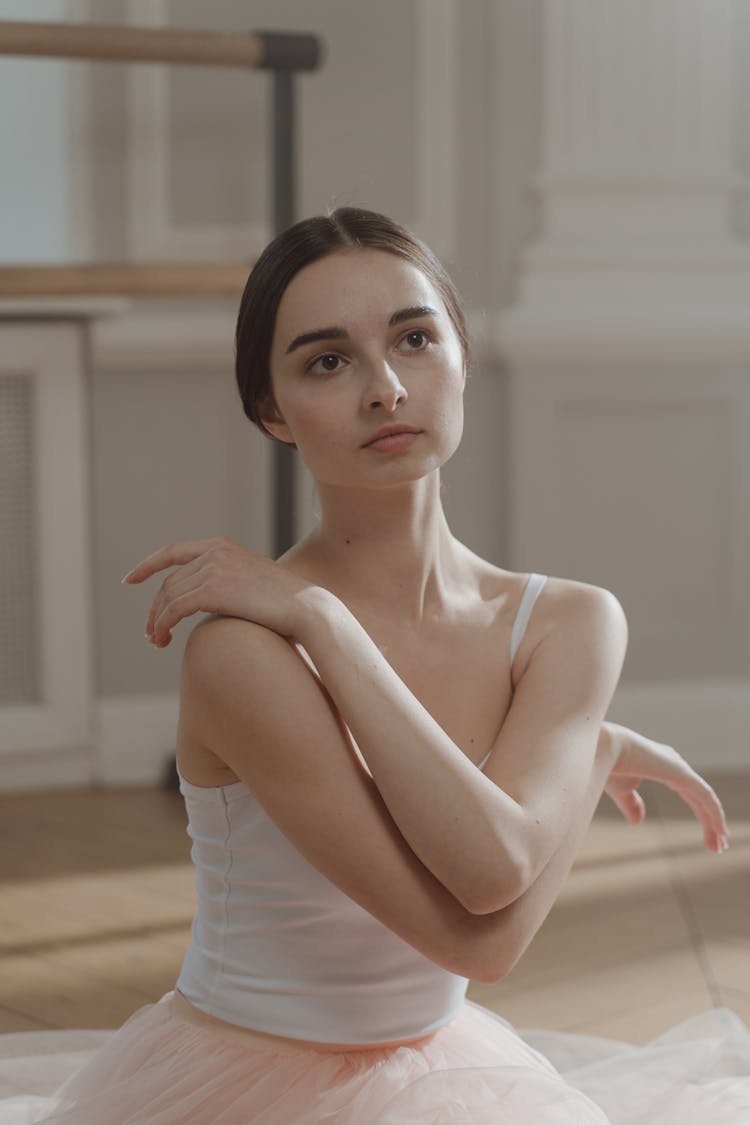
{"type": "Point", "coordinates": [300, 245]}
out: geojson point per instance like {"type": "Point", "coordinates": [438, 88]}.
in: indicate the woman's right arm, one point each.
{"type": "Point", "coordinates": [250, 698]}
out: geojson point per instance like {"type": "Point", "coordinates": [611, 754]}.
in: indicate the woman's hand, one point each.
{"type": "Point", "coordinates": [221, 576]}
{"type": "Point", "coordinates": [641, 758]}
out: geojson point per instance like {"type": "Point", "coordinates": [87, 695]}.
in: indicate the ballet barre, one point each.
{"type": "Point", "coordinates": [154, 279]}
{"type": "Point", "coordinates": [262, 50]}
{"type": "Point", "coordinates": [282, 53]}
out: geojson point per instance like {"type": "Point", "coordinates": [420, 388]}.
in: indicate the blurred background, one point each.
{"type": "Point", "coordinates": [580, 166]}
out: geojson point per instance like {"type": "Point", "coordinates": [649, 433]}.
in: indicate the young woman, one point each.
{"type": "Point", "coordinates": [389, 749]}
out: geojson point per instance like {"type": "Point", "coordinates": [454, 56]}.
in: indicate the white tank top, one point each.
{"type": "Point", "coordinates": [277, 947]}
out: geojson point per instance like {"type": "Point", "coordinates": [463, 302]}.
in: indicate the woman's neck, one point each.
{"type": "Point", "coordinates": [388, 549]}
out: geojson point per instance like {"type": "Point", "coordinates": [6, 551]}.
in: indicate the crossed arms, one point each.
{"type": "Point", "coordinates": [463, 865]}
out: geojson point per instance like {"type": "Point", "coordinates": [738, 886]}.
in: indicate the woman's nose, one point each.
{"type": "Point", "coordinates": [384, 388]}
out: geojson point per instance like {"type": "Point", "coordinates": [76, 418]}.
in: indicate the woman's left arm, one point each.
{"type": "Point", "coordinates": [486, 835]}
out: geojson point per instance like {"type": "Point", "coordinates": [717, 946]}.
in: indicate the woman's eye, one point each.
{"type": "Point", "coordinates": [324, 364]}
{"type": "Point", "coordinates": [415, 340]}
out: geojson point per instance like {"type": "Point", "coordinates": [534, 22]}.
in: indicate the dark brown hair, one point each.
{"type": "Point", "coordinates": [300, 246]}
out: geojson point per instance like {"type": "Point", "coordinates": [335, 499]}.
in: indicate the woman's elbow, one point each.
{"type": "Point", "coordinates": [490, 962]}
{"type": "Point", "coordinates": [479, 903]}
{"type": "Point", "coordinates": [496, 894]}
{"type": "Point", "coordinates": [501, 885]}
{"type": "Point", "coordinates": [497, 968]}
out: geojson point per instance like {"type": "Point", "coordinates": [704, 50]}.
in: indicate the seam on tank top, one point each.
{"type": "Point", "coordinates": [227, 872]}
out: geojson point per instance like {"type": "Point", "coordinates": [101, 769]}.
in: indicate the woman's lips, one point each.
{"type": "Point", "coordinates": [393, 443]}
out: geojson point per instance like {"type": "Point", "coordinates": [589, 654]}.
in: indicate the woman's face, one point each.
{"type": "Point", "coordinates": [363, 341]}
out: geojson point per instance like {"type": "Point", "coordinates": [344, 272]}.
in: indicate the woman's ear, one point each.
{"type": "Point", "coordinates": [273, 420]}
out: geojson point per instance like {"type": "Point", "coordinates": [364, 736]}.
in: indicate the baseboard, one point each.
{"type": "Point", "coordinates": [40, 770]}
{"type": "Point", "coordinates": [707, 721]}
{"type": "Point", "coordinates": [135, 742]}
{"type": "Point", "coordinates": [137, 739]}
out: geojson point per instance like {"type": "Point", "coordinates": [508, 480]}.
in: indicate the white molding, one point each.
{"type": "Point", "coordinates": [53, 357]}
{"type": "Point", "coordinates": [137, 738]}
{"type": "Point", "coordinates": [635, 178]}
{"type": "Point", "coordinates": [713, 336]}
{"type": "Point", "coordinates": [64, 769]}
{"type": "Point", "coordinates": [700, 288]}
{"type": "Point", "coordinates": [61, 308]}
{"type": "Point", "coordinates": [134, 740]}
{"type": "Point", "coordinates": [146, 342]}
{"type": "Point", "coordinates": [154, 235]}
{"type": "Point", "coordinates": [152, 232]}
{"type": "Point", "coordinates": [706, 721]}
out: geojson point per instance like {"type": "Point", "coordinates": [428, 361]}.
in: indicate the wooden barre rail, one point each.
{"type": "Point", "coordinates": [183, 279]}
{"type": "Point", "coordinates": [262, 49]}
{"type": "Point", "coordinates": [280, 52]}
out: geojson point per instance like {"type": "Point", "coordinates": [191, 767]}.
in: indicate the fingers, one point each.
{"type": "Point", "coordinates": [629, 802]}
{"type": "Point", "coordinates": [711, 811]}
{"type": "Point", "coordinates": [691, 788]}
{"type": "Point", "coordinates": [708, 810]}
{"type": "Point", "coordinates": [171, 604]}
{"type": "Point", "coordinates": [176, 554]}
{"type": "Point", "coordinates": [700, 798]}
{"type": "Point", "coordinates": [169, 589]}
{"type": "Point", "coordinates": [635, 808]}
{"type": "Point", "coordinates": [180, 599]}
{"type": "Point", "coordinates": [182, 606]}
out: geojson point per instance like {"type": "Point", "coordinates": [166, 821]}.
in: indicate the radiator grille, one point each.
{"type": "Point", "coordinates": [19, 647]}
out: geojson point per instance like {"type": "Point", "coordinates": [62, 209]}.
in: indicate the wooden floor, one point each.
{"type": "Point", "coordinates": [96, 899]}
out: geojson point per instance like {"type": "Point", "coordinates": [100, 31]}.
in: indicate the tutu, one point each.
{"type": "Point", "coordinates": [161, 1068]}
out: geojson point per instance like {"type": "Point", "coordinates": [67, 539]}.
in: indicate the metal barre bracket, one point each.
{"type": "Point", "coordinates": [289, 50]}
{"type": "Point", "coordinates": [281, 52]}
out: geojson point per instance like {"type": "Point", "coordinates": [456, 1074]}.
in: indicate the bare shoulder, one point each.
{"type": "Point", "coordinates": [221, 653]}
{"type": "Point", "coordinates": [217, 642]}
{"type": "Point", "coordinates": [558, 595]}
{"type": "Point", "coordinates": [576, 617]}
{"type": "Point", "coordinates": [571, 598]}
{"type": "Point", "coordinates": [217, 648]}
{"type": "Point", "coordinates": [562, 604]}
{"type": "Point", "coordinates": [566, 601]}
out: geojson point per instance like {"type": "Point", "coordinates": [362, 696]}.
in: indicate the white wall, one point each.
{"type": "Point", "coordinates": [178, 168]}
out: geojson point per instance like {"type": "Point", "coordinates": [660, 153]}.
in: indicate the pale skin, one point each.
{"type": "Point", "coordinates": [408, 634]}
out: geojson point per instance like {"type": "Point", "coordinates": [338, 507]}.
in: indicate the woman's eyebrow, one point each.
{"type": "Point", "coordinates": [341, 334]}
{"type": "Point", "coordinates": [411, 314]}
{"type": "Point", "coordinates": [317, 334]}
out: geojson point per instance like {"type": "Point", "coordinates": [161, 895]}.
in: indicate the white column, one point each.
{"type": "Point", "coordinates": [636, 168]}
{"type": "Point", "coordinates": [627, 356]}
{"type": "Point", "coordinates": [637, 111]}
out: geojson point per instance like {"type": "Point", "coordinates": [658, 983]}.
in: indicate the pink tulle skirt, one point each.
{"type": "Point", "coordinates": [162, 1068]}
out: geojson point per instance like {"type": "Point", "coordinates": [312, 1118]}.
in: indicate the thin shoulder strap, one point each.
{"type": "Point", "coordinates": [530, 594]}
